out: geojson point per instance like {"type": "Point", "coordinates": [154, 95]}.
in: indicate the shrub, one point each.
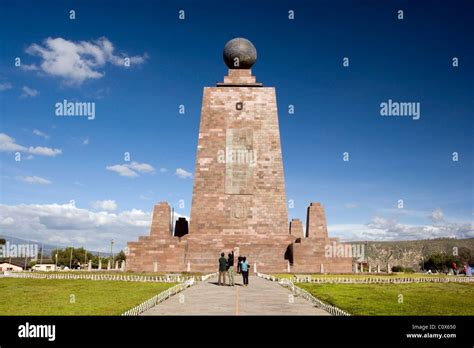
{"type": "Point", "coordinates": [402, 269]}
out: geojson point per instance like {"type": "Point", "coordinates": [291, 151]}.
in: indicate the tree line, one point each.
{"type": "Point", "coordinates": [77, 257]}
{"type": "Point", "coordinates": [68, 257]}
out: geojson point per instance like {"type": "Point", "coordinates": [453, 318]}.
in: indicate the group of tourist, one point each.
{"type": "Point", "coordinates": [227, 266]}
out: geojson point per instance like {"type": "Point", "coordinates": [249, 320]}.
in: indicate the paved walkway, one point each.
{"type": "Point", "coordinates": [261, 297]}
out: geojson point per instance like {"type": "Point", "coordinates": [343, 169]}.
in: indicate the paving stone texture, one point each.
{"type": "Point", "coordinates": [261, 297]}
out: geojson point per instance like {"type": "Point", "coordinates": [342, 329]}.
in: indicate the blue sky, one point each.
{"type": "Point", "coordinates": [337, 109]}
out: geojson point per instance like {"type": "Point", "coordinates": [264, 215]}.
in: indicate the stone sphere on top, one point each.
{"type": "Point", "coordinates": [240, 53]}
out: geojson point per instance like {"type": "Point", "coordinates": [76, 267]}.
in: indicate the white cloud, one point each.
{"type": "Point", "coordinates": [378, 221]}
{"type": "Point", "coordinates": [350, 205]}
{"type": "Point", "coordinates": [122, 170]}
{"type": "Point", "coordinates": [7, 221]}
{"type": "Point", "coordinates": [85, 141]}
{"type": "Point", "coordinates": [28, 92]}
{"type": "Point", "coordinates": [44, 151]}
{"type": "Point", "coordinates": [437, 216]}
{"type": "Point", "coordinates": [70, 225]}
{"type": "Point", "coordinates": [34, 180]}
{"type": "Point", "coordinates": [40, 133]}
{"type": "Point", "coordinates": [380, 228]}
{"type": "Point", "coordinates": [163, 170]}
{"type": "Point", "coordinates": [8, 144]}
{"type": "Point", "coordinates": [182, 174]}
{"type": "Point", "coordinates": [142, 167]}
{"type": "Point", "coordinates": [131, 170]}
{"type": "Point", "coordinates": [76, 62]}
{"type": "Point", "coordinates": [107, 205]}
{"type": "Point", "coordinates": [403, 212]}
{"type": "Point", "coordinates": [5, 86]}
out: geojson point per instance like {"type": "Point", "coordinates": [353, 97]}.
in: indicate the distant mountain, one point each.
{"type": "Point", "coordinates": [428, 246]}
{"type": "Point", "coordinates": [411, 253]}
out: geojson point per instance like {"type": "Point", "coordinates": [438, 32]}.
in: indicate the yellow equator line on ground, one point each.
{"type": "Point", "coordinates": [237, 309]}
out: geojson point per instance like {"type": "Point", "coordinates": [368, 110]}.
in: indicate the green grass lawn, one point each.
{"type": "Point", "coordinates": [351, 275]}
{"type": "Point", "coordinates": [53, 297]}
{"type": "Point", "coordinates": [383, 299]}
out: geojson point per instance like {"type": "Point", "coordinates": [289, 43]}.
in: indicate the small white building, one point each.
{"type": "Point", "coordinates": [4, 267]}
{"type": "Point", "coordinates": [45, 267]}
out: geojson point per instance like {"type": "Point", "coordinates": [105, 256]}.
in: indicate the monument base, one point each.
{"type": "Point", "coordinates": [290, 253]}
{"type": "Point", "coordinates": [263, 254]}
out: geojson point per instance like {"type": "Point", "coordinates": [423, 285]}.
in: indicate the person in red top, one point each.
{"type": "Point", "coordinates": [455, 267]}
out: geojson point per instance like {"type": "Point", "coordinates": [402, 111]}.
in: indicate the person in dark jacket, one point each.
{"type": "Point", "coordinates": [230, 269]}
{"type": "Point", "coordinates": [222, 268]}
{"type": "Point", "coordinates": [239, 261]}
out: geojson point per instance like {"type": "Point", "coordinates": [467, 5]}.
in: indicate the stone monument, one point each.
{"type": "Point", "coordinates": [239, 200]}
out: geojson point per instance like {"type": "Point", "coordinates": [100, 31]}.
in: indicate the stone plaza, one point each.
{"type": "Point", "coordinates": [239, 200]}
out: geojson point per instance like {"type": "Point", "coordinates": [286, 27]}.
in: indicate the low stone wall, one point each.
{"type": "Point", "coordinates": [119, 277]}
{"type": "Point", "coordinates": [150, 303]}
{"type": "Point", "coordinates": [207, 276]}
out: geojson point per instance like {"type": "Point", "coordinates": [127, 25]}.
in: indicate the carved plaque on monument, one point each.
{"type": "Point", "coordinates": [240, 211]}
{"type": "Point", "coordinates": [240, 161]}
